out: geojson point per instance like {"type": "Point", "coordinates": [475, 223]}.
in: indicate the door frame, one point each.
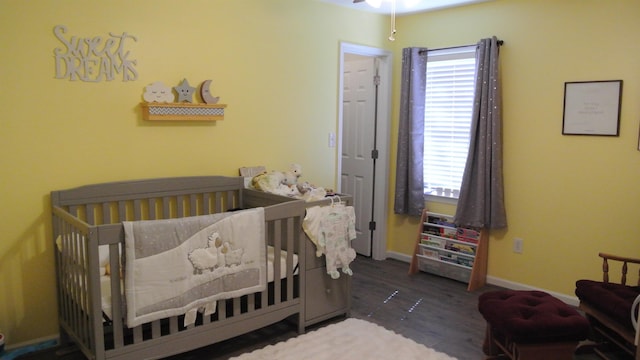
{"type": "Point", "coordinates": [384, 63]}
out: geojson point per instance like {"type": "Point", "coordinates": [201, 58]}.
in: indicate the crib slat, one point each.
{"type": "Point", "coordinates": [218, 203]}
{"type": "Point", "coordinates": [206, 203]}
{"type": "Point", "coordinates": [66, 274]}
{"type": "Point", "coordinates": [152, 208]}
{"type": "Point", "coordinates": [106, 214]}
{"type": "Point", "coordinates": [64, 270]}
{"type": "Point", "coordinates": [92, 289]}
{"type": "Point", "coordinates": [276, 237]}
{"type": "Point", "coordinates": [166, 207]}
{"type": "Point", "coordinates": [173, 325]}
{"type": "Point", "coordinates": [193, 203]}
{"type": "Point", "coordinates": [75, 283]}
{"type": "Point", "coordinates": [222, 309]}
{"type": "Point", "coordinates": [289, 238]}
{"type": "Point", "coordinates": [237, 307]}
{"type": "Point", "coordinates": [69, 251]}
{"type": "Point", "coordinates": [264, 298]}
{"type": "Point", "coordinates": [91, 218]}
{"type": "Point", "coordinates": [251, 302]}
{"type": "Point", "coordinates": [137, 209]}
{"type": "Point", "coordinates": [137, 334]}
{"type": "Point", "coordinates": [155, 329]}
{"type": "Point", "coordinates": [57, 225]}
{"type": "Point", "coordinates": [180, 206]}
{"type": "Point", "coordinates": [122, 211]}
{"type": "Point", "coordinates": [230, 202]}
{"type": "Point", "coordinates": [116, 301]}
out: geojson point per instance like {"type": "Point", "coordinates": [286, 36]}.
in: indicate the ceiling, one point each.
{"type": "Point", "coordinates": [404, 6]}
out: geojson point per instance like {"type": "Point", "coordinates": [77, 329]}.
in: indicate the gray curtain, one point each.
{"type": "Point", "coordinates": [409, 193]}
{"type": "Point", "coordinates": [481, 200]}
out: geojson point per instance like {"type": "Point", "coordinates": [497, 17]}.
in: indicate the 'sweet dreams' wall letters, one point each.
{"type": "Point", "coordinates": [94, 59]}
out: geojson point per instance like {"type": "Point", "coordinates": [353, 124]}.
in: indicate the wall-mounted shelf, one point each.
{"type": "Point", "coordinates": [182, 111]}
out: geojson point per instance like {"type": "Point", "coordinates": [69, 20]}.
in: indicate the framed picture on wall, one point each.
{"type": "Point", "coordinates": [592, 108]}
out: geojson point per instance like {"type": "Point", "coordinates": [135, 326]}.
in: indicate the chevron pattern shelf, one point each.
{"type": "Point", "coordinates": [184, 112]}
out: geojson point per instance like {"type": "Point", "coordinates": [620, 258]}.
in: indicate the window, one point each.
{"type": "Point", "coordinates": [447, 121]}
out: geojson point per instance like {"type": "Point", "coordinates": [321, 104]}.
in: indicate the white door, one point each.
{"type": "Point", "coordinates": [358, 141]}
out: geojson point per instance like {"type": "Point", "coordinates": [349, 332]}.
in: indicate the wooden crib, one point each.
{"type": "Point", "coordinates": [88, 220]}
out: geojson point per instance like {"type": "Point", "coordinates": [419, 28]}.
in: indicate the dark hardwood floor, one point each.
{"type": "Point", "coordinates": [434, 311]}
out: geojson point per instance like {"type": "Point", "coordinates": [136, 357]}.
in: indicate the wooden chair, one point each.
{"type": "Point", "coordinates": [611, 307]}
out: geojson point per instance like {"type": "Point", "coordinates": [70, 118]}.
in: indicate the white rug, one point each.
{"type": "Point", "coordinates": [349, 339]}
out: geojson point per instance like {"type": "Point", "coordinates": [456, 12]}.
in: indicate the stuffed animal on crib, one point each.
{"type": "Point", "coordinates": [278, 182]}
{"type": "Point", "coordinates": [309, 192]}
{"type": "Point", "coordinates": [291, 177]}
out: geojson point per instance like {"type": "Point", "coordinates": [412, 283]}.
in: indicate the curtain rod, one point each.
{"type": "Point", "coordinates": [500, 43]}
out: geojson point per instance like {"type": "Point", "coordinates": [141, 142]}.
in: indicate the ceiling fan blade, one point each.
{"type": "Point", "coordinates": [357, 1]}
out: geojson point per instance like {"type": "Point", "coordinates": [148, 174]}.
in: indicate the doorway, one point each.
{"type": "Point", "coordinates": [363, 129]}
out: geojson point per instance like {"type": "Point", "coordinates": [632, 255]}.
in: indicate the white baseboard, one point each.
{"type": "Point", "coordinates": [569, 300]}
{"type": "Point", "coordinates": [492, 280]}
{"type": "Point", "coordinates": [399, 256]}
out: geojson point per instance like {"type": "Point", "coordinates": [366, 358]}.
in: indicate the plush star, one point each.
{"type": "Point", "coordinates": [185, 91]}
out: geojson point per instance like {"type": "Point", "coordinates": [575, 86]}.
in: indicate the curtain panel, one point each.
{"type": "Point", "coordinates": [481, 200]}
{"type": "Point", "coordinates": [409, 191]}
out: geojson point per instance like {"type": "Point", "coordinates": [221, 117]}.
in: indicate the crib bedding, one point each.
{"type": "Point", "coordinates": [175, 266]}
{"type": "Point", "coordinates": [105, 276]}
{"type": "Point", "coordinates": [105, 280]}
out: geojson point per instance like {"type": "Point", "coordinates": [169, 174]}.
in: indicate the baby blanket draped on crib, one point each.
{"type": "Point", "coordinates": [177, 266]}
{"type": "Point", "coordinates": [331, 228]}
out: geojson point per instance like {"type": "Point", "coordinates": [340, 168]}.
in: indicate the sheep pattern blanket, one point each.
{"type": "Point", "coordinates": [177, 266]}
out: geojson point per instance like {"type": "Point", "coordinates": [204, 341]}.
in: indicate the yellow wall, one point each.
{"type": "Point", "coordinates": [275, 63]}
{"type": "Point", "coordinates": [568, 197]}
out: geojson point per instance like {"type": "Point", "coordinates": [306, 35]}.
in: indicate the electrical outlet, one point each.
{"type": "Point", "coordinates": [517, 245]}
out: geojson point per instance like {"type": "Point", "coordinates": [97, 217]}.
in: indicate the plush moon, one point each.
{"type": "Point", "coordinates": [205, 94]}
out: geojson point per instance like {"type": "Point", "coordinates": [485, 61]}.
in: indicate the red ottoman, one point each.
{"type": "Point", "coordinates": [532, 325]}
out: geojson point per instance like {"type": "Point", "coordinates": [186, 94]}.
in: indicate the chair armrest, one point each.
{"type": "Point", "coordinates": [634, 318]}
{"type": "Point", "coordinates": [625, 260]}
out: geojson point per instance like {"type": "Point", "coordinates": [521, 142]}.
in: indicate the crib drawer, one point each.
{"type": "Point", "coordinates": [325, 297]}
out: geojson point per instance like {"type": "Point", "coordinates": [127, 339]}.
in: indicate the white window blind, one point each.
{"type": "Point", "coordinates": [447, 123]}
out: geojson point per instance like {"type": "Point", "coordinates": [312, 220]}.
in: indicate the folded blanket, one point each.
{"type": "Point", "coordinates": [176, 266]}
